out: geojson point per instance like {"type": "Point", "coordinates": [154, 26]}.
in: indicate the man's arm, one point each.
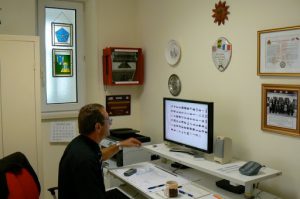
{"type": "Point", "coordinates": [108, 152]}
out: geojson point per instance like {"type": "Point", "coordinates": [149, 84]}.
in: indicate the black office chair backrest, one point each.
{"type": "Point", "coordinates": [17, 178]}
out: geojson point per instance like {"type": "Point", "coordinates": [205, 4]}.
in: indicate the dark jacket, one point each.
{"type": "Point", "coordinates": [80, 171]}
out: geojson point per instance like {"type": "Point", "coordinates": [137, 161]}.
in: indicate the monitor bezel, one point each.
{"type": "Point", "coordinates": [210, 132]}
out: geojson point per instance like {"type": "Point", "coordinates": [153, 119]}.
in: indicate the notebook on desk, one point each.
{"type": "Point", "coordinates": [188, 191]}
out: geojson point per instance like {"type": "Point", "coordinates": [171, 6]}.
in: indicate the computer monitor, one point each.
{"type": "Point", "coordinates": [188, 123]}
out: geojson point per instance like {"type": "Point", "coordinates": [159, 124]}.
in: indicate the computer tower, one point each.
{"type": "Point", "coordinates": [223, 150]}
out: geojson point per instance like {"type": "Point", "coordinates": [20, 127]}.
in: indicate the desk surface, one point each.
{"type": "Point", "coordinates": [202, 180]}
{"type": "Point", "coordinates": [151, 178]}
{"type": "Point", "coordinates": [227, 171]}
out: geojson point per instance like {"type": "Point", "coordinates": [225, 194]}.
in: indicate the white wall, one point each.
{"type": "Point", "coordinates": [116, 28]}
{"type": "Point", "coordinates": [235, 92]}
{"type": "Point", "coordinates": [18, 17]}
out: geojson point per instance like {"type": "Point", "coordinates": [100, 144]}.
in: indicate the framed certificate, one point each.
{"type": "Point", "coordinates": [278, 51]}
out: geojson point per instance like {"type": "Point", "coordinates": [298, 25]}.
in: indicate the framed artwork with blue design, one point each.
{"type": "Point", "coordinates": [62, 62]}
{"type": "Point", "coordinates": [62, 34]}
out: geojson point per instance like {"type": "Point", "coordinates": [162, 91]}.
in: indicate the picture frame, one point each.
{"type": "Point", "coordinates": [62, 62]}
{"type": "Point", "coordinates": [278, 52]}
{"type": "Point", "coordinates": [280, 109]}
{"type": "Point", "coordinates": [62, 34]}
{"type": "Point", "coordinates": [118, 105]}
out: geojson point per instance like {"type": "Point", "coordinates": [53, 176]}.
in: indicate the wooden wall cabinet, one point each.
{"type": "Point", "coordinates": [123, 66]}
{"type": "Point", "coordinates": [20, 117]}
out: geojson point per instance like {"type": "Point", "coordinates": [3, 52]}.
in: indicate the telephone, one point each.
{"type": "Point", "coordinates": [250, 168]}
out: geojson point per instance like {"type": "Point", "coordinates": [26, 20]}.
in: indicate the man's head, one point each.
{"type": "Point", "coordinates": [93, 121]}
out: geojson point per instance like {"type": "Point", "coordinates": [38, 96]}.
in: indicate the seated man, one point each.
{"type": "Point", "coordinates": [80, 168]}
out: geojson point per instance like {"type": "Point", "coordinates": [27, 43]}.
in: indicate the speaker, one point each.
{"type": "Point", "coordinates": [222, 150]}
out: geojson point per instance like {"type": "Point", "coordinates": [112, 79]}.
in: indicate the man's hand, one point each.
{"type": "Point", "coordinates": [108, 152]}
{"type": "Point", "coordinates": [130, 142]}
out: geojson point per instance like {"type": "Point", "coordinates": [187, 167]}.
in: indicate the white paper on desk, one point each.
{"type": "Point", "coordinates": [148, 175]}
{"type": "Point", "coordinates": [212, 196]}
{"type": "Point", "coordinates": [229, 168]}
{"type": "Point", "coordinates": [194, 190]}
{"type": "Point", "coordinates": [161, 194]}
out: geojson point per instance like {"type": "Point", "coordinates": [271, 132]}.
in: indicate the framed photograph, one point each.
{"type": "Point", "coordinates": [278, 51]}
{"type": "Point", "coordinates": [280, 110]}
{"type": "Point", "coordinates": [62, 34]}
{"type": "Point", "coordinates": [62, 64]}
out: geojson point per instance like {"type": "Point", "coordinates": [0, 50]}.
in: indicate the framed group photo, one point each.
{"type": "Point", "coordinates": [62, 34]}
{"type": "Point", "coordinates": [62, 62]}
{"type": "Point", "coordinates": [278, 51]}
{"type": "Point", "coordinates": [280, 110]}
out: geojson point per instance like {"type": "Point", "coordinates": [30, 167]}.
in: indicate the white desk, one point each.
{"type": "Point", "coordinates": [227, 171]}
{"type": "Point", "coordinates": [148, 175]}
{"type": "Point", "coordinates": [197, 178]}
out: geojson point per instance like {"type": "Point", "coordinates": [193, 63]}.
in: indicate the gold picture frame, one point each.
{"type": "Point", "coordinates": [278, 52]}
{"type": "Point", "coordinates": [280, 109]}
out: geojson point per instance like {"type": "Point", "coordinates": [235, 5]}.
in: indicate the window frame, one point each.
{"type": "Point", "coordinates": [64, 110]}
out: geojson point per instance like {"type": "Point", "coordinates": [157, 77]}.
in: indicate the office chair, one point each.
{"type": "Point", "coordinates": [17, 178]}
{"type": "Point", "coordinates": [53, 190]}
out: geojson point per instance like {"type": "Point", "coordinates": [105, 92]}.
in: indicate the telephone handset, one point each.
{"type": "Point", "coordinates": [250, 168]}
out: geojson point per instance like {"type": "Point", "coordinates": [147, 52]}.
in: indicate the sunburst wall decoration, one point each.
{"type": "Point", "coordinates": [220, 12]}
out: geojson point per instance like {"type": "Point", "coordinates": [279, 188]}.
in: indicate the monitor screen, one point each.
{"type": "Point", "coordinates": [189, 123]}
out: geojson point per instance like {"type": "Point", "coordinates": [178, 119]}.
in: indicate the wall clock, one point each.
{"type": "Point", "coordinates": [172, 52]}
{"type": "Point", "coordinates": [174, 85]}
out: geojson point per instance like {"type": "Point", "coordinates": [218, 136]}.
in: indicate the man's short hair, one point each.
{"type": "Point", "coordinates": [88, 116]}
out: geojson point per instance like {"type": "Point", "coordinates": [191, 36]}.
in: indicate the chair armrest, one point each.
{"type": "Point", "coordinates": [52, 190]}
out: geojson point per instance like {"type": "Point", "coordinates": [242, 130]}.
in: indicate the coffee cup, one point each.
{"type": "Point", "coordinates": [171, 189]}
